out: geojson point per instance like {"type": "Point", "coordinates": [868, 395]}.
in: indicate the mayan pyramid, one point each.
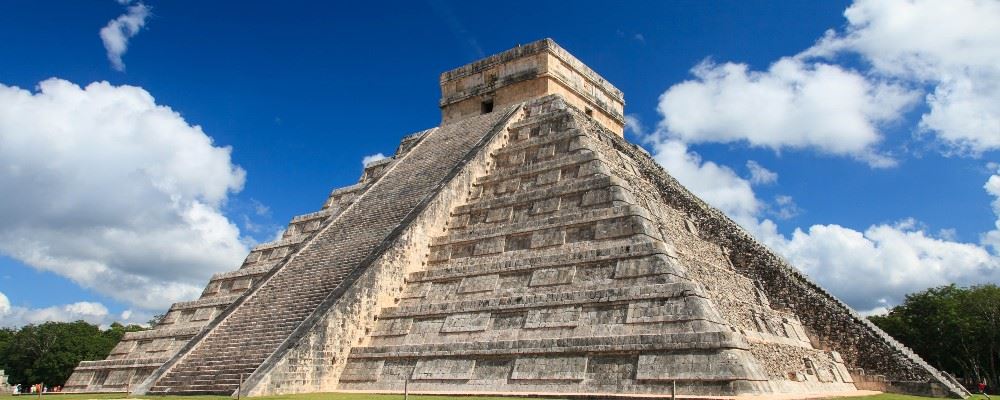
{"type": "Point", "coordinates": [523, 246]}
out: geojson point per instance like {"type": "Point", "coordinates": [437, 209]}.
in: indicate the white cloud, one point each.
{"type": "Point", "coordinates": [372, 158]}
{"type": "Point", "coordinates": [892, 259]}
{"type": "Point", "coordinates": [119, 194]}
{"type": "Point", "coordinates": [948, 48]}
{"type": "Point", "coordinates": [634, 125]}
{"type": "Point", "coordinates": [992, 238]}
{"type": "Point", "coordinates": [717, 184]}
{"type": "Point", "coordinates": [793, 104]}
{"type": "Point", "coordinates": [784, 207]}
{"type": "Point", "coordinates": [871, 269]}
{"type": "Point", "coordinates": [15, 316]}
{"type": "Point", "coordinates": [118, 31]}
{"type": "Point", "coordinates": [760, 175]}
{"type": "Point", "coordinates": [951, 45]}
{"type": "Point", "coordinates": [4, 305]}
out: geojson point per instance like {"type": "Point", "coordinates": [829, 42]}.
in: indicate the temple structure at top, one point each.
{"type": "Point", "coordinates": [528, 72]}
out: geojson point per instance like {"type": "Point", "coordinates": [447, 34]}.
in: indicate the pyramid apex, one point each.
{"type": "Point", "coordinates": [526, 72]}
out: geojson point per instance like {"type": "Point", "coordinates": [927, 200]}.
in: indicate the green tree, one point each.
{"type": "Point", "coordinates": [48, 352]}
{"type": "Point", "coordinates": [956, 329]}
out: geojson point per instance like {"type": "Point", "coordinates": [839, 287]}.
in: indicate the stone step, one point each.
{"type": "Point", "coordinates": [560, 218]}
{"type": "Point", "coordinates": [205, 302]}
{"type": "Point", "coordinates": [632, 272]}
{"type": "Point", "coordinates": [542, 137]}
{"type": "Point", "coordinates": [558, 189]}
{"type": "Point", "coordinates": [569, 297]}
{"type": "Point", "coordinates": [568, 254]}
{"type": "Point", "coordinates": [260, 322]}
{"type": "Point", "coordinates": [559, 162]}
{"type": "Point", "coordinates": [607, 344]}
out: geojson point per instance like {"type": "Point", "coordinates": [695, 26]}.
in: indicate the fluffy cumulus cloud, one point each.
{"type": "Point", "coordinates": [716, 184]}
{"type": "Point", "coordinates": [895, 259]}
{"type": "Point", "coordinates": [952, 46]}
{"type": "Point", "coordinates": [115, 192]}
{"type": "Point", "coordinates": [95, 313]}
{"type": "Point", "coordinates": [760, 175]}
{"type": "Point", "coordinates": [941, 51]}
{"type": "Point", "coordinates": [4, 305]}
{"type": "Point", "coordinates": [992, 238]}
{"type": "Point", "coordinates": [372, 158]}
{"type": "Point", "coordinates": [118, 31]}
{"type": "Point", "coordinates": [791, 105]}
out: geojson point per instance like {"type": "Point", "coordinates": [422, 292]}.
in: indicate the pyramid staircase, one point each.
{"type": "Point", "coordinates": [557, 276]}
{"type": "Point", "coordinates": [258, 324]}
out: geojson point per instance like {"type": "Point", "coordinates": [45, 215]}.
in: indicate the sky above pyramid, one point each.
{"type": "Point", "coordinates": [145, 146]}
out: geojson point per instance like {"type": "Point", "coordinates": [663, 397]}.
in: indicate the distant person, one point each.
{"type": "Point", "coordinates": [982, 389]}
{"type": "Point", "coordinates": [17, 389]}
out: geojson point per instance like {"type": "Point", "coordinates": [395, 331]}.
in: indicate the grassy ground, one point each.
{"type": "Point", "coordinates": [310, 396]}
{"type": "Point", "coordinates": [352, 396]}
{"type": "Point", "coordinates": [893, 396]}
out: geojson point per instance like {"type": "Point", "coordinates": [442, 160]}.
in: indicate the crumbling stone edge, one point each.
{"type": "Point", "coordinates": [162, 370]}
{"type": "Point", "coordinates": [865, 347]}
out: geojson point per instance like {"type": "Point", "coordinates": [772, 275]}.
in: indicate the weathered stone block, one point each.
{"type": "Point", "coordinates": [443, 369]}
{"type": "Point", "coordinates": [594, 197]}
{"type": "Point", "coordinates": [499, 215]}
{"type": "Point", "coordinates": [548, 237]}
{"type": "Point", "coordinates": [392, 327]}
{"type": "Point", "coordinates": [362, 371]}
{"type": "Point", "coordinates": [558, 317]}
{"type": "Point", "coordinates": [550, 368]}
{"type": "Point", "coordinates": [552, 276]}
{"type": "Point", "coordinates": [660, 310]}
{"type": "Point", "coordinates": [481, 283]}
{"type": "Point", "coordinates": [547, 177]}
{"type": "Point", "coordinates": [491, 245]}
{"type": "Point", "coordinates": [723, 365]}
{"type": "Point", "coordinates": [439, 253]}
{"type": "Point", "coordinates": [459, 221]}
{"type": "Point", "coordinates": [652, 265]}
{"type": "Point", "coordinates": [472, 322]}
{"type": "Point", "coordinates": [545, 206]}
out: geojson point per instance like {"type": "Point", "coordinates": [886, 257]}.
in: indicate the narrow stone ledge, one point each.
{"type": "Point", "coordinates": [281, 243]}
{"type": "Point", "coordinates": [312, 216]}
{"type": "Point", "coordinates": [256, 269]}
{"type": "Point", "coordinates": [118, 364]}
{"type": "Point", "coordinates": [570, 254]}
{"type": "Point", "coordinates": [206, 302]}
{"type": "Point", "coordinates": [558, 189]}
{"type": "Point", "coordinates": [600, 344]}
{"type": "Point", "coordinates": [603, 296]}
{"type": "Point", "coordinates": [162, 333]}
{"type": "Point", "coordinates": [531, 169]}
{"type": "Point", "coordinates": [563, 218]}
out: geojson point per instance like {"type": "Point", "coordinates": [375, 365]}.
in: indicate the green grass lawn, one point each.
{"type": "Point", "coordinates": [309, 396]}
{"type": "Point", "coordinates": [359, 396]}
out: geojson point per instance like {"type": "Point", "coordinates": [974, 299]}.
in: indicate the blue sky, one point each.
{"type": "Point", "coordinates": [300, 92]}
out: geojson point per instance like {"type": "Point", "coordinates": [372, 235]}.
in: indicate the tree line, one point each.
{"type": "Point", "coordinates": [953, 328]}
{"type": "Point", "coordinates": [48, 352]}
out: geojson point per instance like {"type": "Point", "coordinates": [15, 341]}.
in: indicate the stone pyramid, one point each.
{"type": "Point", "coordinates": [522, 247]}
